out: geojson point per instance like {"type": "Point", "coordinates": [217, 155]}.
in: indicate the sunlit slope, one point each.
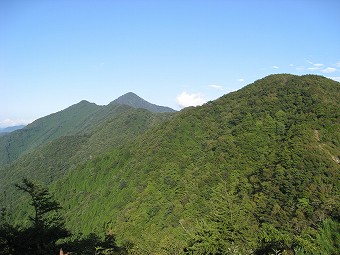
{"type": "Point", "coordinates": [274, 144]}
{"type": "Point", "coordinates": [50, 161]}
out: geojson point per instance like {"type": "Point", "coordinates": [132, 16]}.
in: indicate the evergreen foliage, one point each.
{"type": "Point", "coordinates": [131, 99]}
{"type": "Point", "coordinates": [254, 172]}
{"type": "Point", "coordinates": [231, 227]}
{"type": "Point", "coordinates": [78, 119]}
{"type": "Point", "coordinates": [67, 122]}
{"type": "Point", "coordinates": [45, 228]}
{"type": "Point", "coordinates": [51, 161]}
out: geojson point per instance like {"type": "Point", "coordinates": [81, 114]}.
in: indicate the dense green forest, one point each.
{"type": "Point", "coordinates": [79, 119]}
{"type": "Point", "coordinates": [254, 172]}
{"type": "Point", "coordinates": [55, 158]}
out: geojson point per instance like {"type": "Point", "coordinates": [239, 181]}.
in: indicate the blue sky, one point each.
{"type": "Point", "coordinates": [176, 53]}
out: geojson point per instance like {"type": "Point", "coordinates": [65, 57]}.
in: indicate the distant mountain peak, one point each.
{"type": "Point", "coordinates": [130, 94]}
{"type": "Point", "coordinates": [133, 100]}
{"type": "Point", "coordinates": [129, 97]}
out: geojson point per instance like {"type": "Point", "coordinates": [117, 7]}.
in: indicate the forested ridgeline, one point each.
{"type": "Point", "coordinates": [254, 172]}
{"type": "Point", "coordinates": [51, 160]}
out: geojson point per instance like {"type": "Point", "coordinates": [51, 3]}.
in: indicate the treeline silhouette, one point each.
{"type": "Point", "coordinates": [46, 232]}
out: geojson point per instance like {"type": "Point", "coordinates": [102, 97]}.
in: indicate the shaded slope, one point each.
{"type": "Point", "coordinates": [135, 101]}
{"type": "Point", "coordinates": [6, 130]}
{"type": "Point", "coordinates": [80, 118]}
{"type": "Point", "coordinates": [52, 160]}
{"type": "Point", "coordinates": [260, 141]}
{"type": "Point", "coordinates": [67, 122]}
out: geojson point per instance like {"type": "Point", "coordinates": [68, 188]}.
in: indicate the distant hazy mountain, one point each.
{"type": "Point", "coordinates": [131, 99]}
{"type": "Point", "coordinates": [6, 130]}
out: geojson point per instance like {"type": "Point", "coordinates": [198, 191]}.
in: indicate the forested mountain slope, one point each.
{"type": "Point", "coordinates": [43, 130]}
{"type": "Point", "coordinates": [267, 154]}
{"type": "Point", "coordinates": [50, 161]}
{"type": "Point", "coordinates": [254, 172]}
{"type": "Point", "coordinates": [54, 159]}
{"type": "Point", "coordinates": [78, 119]}
{"type": "Point", "coordinates": [131, 99]}
{"type": "Point", "coordinates": [4, 131]}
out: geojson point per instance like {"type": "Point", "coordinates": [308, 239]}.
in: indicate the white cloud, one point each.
{"type": "Point", "coordinates": [275, 67]}
{"type": "Point", "coordinates": [240, 80]}
{"type": "Point", "coordinates": [335, 78]}
{"type": "Point", "coordinates": [328, 70]}
{"type": "Point", "coordinates": [291, 64]}
{"type": "Point", "coordinates": [11, 122]}
{"type": "Point", "coordinates": [194, 99]}
{"type": "Point", "coordinates": [316, 64]}
{"type": "Point", "coordinates": [313, 68]}
{"type": "Point", "coordinates": [299, 68]}
{"type": "Point", "coordinates": [337, 64]}
{"type": "Point", "coordinates": [218, 87]}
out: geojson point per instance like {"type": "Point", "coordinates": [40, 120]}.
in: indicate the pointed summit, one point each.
{"type": "Point", "coordinates": [131, 99]}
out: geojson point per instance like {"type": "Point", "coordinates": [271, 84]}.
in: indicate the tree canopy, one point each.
{"type": "Point", "coordinates": [256, 171]}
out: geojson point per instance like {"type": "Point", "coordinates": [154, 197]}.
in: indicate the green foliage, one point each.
{"type": "Point", "coordinates": [260, 141]}
{"type": "Point", "coordinates": [45, 229]}
{"type": "Point", "coordinates": [77, 119]}
{"type": "Point", "coordinates": [42, 202]}
{"type": "Point", "coordinates": [231, 227]}
{"type": "Point", "coordinates": [328, 237]}
{"type": "Point", "coordinates": [93, 244]}
{"type": "Point", "coordinates": [53, 160]}
{"type": "Point", "coordinates": [257, 169]}
{"type": "Point", "coordinates": [135, 101]}
{"type": "Point", "coordinates": [66, 122]}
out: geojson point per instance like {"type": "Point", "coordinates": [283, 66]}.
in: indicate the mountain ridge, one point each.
{"type": "Point", "coordinates": [255, 147]}
{"type": "Point", "coordinates": [263, 155]}
{"type": "Point", "coordinates": [78, 118]}
{"type": "Point", "coordinates": [5, 130]}
{"type": "Point", "coordinates": [133, 100]}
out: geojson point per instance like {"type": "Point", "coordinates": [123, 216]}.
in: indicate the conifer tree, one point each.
{"type": "Point", "coordinates": [231, 227]}
{"type": "Point", "coordinates": [47, 224]}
